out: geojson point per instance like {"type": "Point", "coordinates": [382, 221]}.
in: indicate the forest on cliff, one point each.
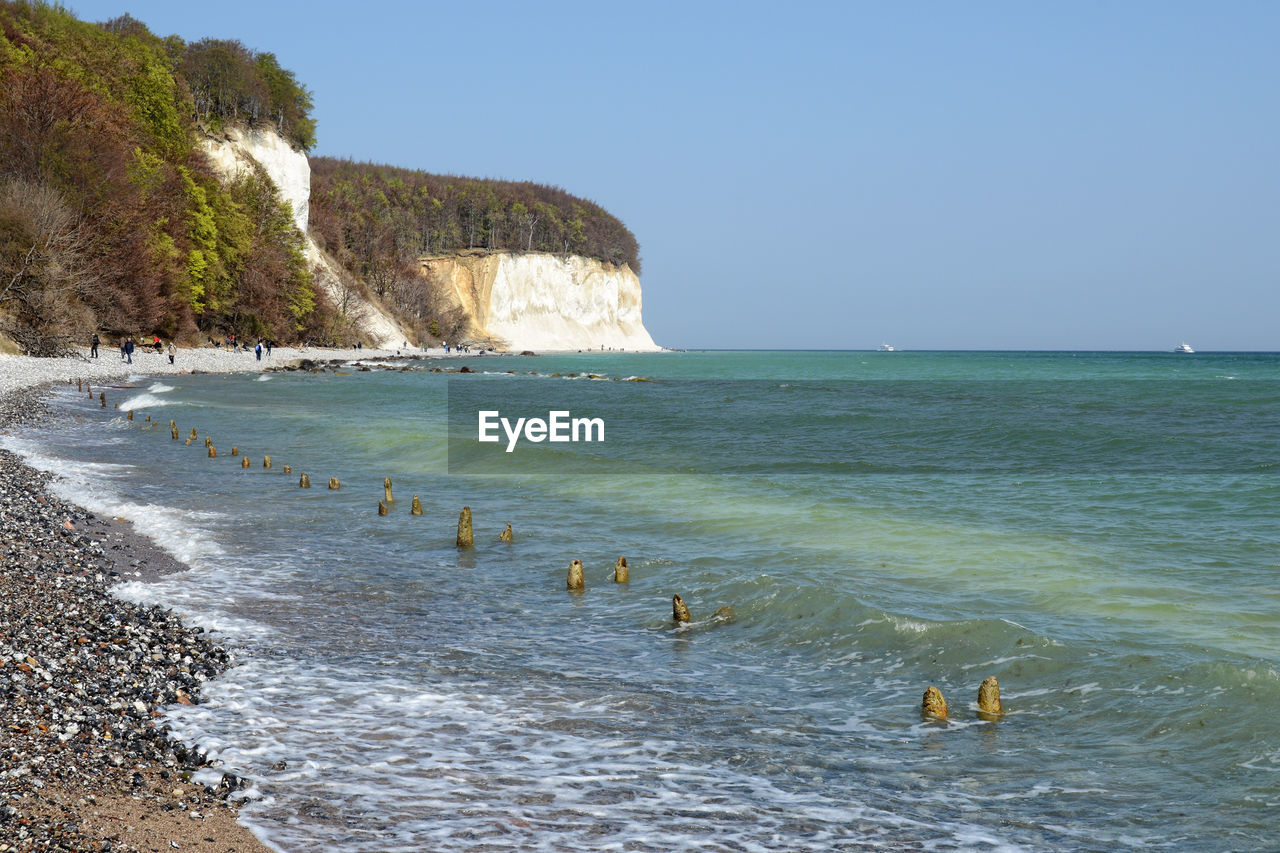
{"type": "Point", "coordinates": [112, 219]}
{"type": "Point", "coordinates": [378, 220]}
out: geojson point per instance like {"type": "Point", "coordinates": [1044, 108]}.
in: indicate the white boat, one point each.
{"type": "Point", "coordinates": [885, 348]}
{"type": "Point", "coordinates": [1183, 347]}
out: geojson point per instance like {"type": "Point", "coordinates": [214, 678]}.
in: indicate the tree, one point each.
{"type": "Point", "coordinates": [43, 269]}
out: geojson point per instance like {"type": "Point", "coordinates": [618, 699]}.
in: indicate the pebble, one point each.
{"type": "Point", "coordinates": [83, 674]}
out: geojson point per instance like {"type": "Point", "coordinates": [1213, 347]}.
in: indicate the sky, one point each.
{"type": "Point", "coordinates": [836, 175]}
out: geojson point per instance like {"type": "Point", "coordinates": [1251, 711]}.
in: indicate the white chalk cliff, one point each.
{"type": "Point", "coordinates": [239, 150]}
{"type": "Point", "coordinates": [536, 301]}
{"type": "Point", "coordinates": [524, 300]}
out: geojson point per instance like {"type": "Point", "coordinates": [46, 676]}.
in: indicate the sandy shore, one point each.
{"type": "Point", "coordinates": [86, 762]}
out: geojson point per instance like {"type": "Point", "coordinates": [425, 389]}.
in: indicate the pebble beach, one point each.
{"type": "Point", "coordinates": [85, 762]}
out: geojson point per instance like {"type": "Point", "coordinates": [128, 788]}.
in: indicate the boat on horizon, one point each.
{"type": "Point", "coordinates": [1183, 347]}
{"type": "Point", "coordinates": [885, 348]}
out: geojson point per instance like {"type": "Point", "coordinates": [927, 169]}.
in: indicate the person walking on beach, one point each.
{"type": "Point", "coordinates": [268, 347]}
{"type": "Point", "coordinates": [257, 351]}
{"type": "Point", "coordinates": [128, 350]}
{"type": "Point", "coordinates": [93, 346]}
{"type": "Point", "coordinates": [172, 351]}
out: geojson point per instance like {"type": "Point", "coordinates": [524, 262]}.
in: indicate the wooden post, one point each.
{"type": "Point", "coordinates": [304, 482]}
{"type": "Point", "coordinates": [213, 451]}
{"type": "Point", "coordinates": [416, 509]}
{"type": "Point", "coordinates": [465, 537]}
{"type": "Point", "coordinates": [933, 706]}
{"type": "Point", "coordinates": [679, 611]}
{"type": "Point", "coordinates": [577, 580]}
{"type": "Point", "coordinates": [620, 573]}
{"type": "Point", "coordinates": [334, 484]}
{"type": "Point", "coordinates": [386, 491]}
{"type": "Point", "coordinates": [506, 535]}
{"type": "Point", "coordinates": [989, 706]}
{"type": "Point", "coordinates": [266, 462]}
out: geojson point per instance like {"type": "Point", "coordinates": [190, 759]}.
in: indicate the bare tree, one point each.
{"type": "Point", "coordinates": [44, 273]}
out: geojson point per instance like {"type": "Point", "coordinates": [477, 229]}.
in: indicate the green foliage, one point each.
{"type": "Point", "coordinates": [203, 235]}
{"type": "Point", "coordinates": [146, 171]}
{"type": "Point", "coordinates": [371, 216]}
{"type": "Point", "coordinates": [152, 97]}
{"type": "Point", "coordinates": [99, 116]}
{"type": "Point", "coordinates": [229, 82]}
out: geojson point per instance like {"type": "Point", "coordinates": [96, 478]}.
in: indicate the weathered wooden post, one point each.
{"type": "Point", "coordinates": [679, 610]}
{"type": "Point", "coordinates": [577, 579]}
{"type": "Point", "coordinates": [989, 705]}
{"type": "Point", "coordinates": [304, 482]}
{"type": "Point", "coordinates": [620, 572]}
{"type": "Point", "coordinates": [933, 706]}
{"type": "Point", "coordinates": [465, 537]}
{"type": "Point", "coordinates": [416, 508]}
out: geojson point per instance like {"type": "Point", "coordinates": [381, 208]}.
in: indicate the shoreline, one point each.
{"type": "Point", "coordinates": [87, 761]}
{"type": "Point", "coordinates": [18, 372]}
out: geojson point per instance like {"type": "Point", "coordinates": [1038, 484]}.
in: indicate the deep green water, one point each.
{"type": "Point", "coordinates": [1099, 531]}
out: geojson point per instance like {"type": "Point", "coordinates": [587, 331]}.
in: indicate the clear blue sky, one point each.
{"type": "Point", "coordinates": [1072, 175]}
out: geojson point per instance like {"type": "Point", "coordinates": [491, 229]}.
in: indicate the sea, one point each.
{"type": "Point", "coordinates": [1099, 531]}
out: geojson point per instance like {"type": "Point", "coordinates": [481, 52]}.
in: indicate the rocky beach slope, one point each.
{"type": "Point", "coordinates": [86, 762]}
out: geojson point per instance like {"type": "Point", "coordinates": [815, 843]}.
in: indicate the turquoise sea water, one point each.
{"type": "Point", "coordinates": [1099, 531]}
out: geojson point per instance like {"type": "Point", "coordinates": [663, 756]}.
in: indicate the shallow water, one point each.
{"type": "Point", "coordinates": [1096, 530]}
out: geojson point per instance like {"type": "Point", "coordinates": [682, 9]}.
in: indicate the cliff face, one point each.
{"type": "Point", "coordinates": [544, 302]}
{"type": "Point", "coordinates": [290, 171]}
{"type": "Point", "coordinates": [521, 301]}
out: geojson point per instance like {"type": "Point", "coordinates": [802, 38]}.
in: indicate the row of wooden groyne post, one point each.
{"type": "Point", "coordinates": [933, 706]}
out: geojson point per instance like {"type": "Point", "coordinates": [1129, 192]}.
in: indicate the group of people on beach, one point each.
{"type": "Point", "coordinates": [128, 345]}
{"type": "Point", "coordinates": [263, 345]}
